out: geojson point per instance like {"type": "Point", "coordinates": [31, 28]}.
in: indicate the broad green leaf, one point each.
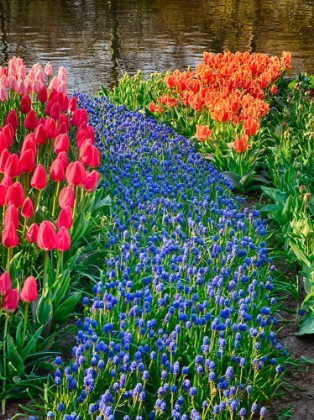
{"type": "Point", "coordinates": [14, 358]}
{"type": "Point", "coordinates": [32, 343]}
{"type": "Point", "coordinates": [306, 325]}
{"type": "Point", "coordinates": [65, 309]}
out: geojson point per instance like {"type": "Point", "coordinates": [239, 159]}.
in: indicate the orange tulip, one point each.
{"type": "Point", "coordinates": [240, 144]}
{"type": "Point", "coordinates": [202, 132]}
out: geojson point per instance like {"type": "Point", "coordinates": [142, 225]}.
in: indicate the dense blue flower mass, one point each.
{"type": "Point", "coordinates": [180, 324]}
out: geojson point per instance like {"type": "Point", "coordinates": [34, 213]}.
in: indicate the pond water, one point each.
{"type": "Point", "coordinates": [98, 39]}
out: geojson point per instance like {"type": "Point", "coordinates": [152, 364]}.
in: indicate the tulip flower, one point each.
{"type": "Point", "coordinates": [65, 218]}
{"type": "Point", "coordinates": [54, 84]}
{"type": "Point", "coordinates": [63, 157]}
{"type": "Point", "coordinates": [25, 104]}
{"type": "Point", "coordinates": [12, 166]}
{"type": "Point", "coordinates": [3, 93]}
{"type": "Point", "coordinates": [63, 240]}
{"type": "Point", "coordinates": [72, 104]}
{"type": "Point", "coordinates": [55, 111]}
{"type": "Point", "coordinates": [3, 160]}
{"type": "Point", "coordinates": [21, 88]}
{"type": "Point", "coordinates": [27, 210]}
{"type": "Point", "coordinates": [48, 69]}
{"type": "Point", "coordinates": [66, 197]}
{"type": "Point", "coordinates": [30, 122]}
{"type": "Point", "coordinates": [240, 144]}
{"type": "Point", "coordinates": [39, 178]}
{"type": "Point", "coordinates": [81, 136]}
{"type": "Point", "coordinates": [50, 128]}
{"type": "Point", "coordinates": [79, 116]}
{"type": "Point", "coordinates": [9, 133]}
{"type": "Point", "coordinates": [90, 133]}
{"type": "Point", "coordinates": [12, 84]}
{"type": "Point", "coordinates": [12, 215]}
{"type": "Point", "coordinates": [65, 103]}
{"type": "Point", "coordinates": [57, 171]}
{"type": "Point", "coordinates": [3, 142]}
{"type": "Point", "coordinates": [9, 236]}
{"type": "Point", "coordinates": [12, 119]}
{"type": "Point", "coordinates": [202, 132]}
{"type": "Point", "coordinates": [91, 181]}
{"type": "Point", "coordinates": [273, 89]}
{"type": "Point", "coordinates": [15, 195]}
{"type": "Point", "coordinates": [62, 143]}
{"type": "Point", "coordinates": [46, 238]}
{"type": "Point", "coordinates": [29, 290]}
{"type": "Point", "coordinates": [29, 142]}
{"type": "Point", "coordinates": [27, 161]}
{"type": "Point", "coordinates": [40, 136]}
{"type": "Point", "coordinates": [3, 193]}
{"type": "Point", "coordinates": [32, 233]}
{"type": "Point", "coordinates": [5, 283]}
{"type": "Point", "coordinates": [42, 94]}
{"type": "Point", "coordinates": [64, 119]}
{"type": "Point", "coordinates": [11, 301]}
{"type": "Point", "coordinates": [75, 174]}
{"type": "Point", "coordinates": [7, 181]}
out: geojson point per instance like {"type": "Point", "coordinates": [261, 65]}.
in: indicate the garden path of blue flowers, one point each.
{"type": "Point", "coordinates": [181, 325]}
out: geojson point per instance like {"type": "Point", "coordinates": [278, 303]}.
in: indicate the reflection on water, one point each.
{"type": "Point", "coordinates": [97, 39]}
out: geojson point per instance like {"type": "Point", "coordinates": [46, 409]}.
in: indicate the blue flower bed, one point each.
{"type": "Point", "coordinates": [180, 326]}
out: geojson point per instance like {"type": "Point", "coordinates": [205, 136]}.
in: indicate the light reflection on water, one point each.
{"type": "Point", "coordinates": [97, 39]}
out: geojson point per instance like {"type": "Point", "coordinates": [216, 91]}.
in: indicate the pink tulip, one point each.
{"type": "Point", "coordinates": [9, 236]}
{"type": "Point", "coordinates": [15, 195]}
{"type": "Point", "coordinates": [3, 94]}
{"type": "Point", "coordinates": [39, 178]}
{"type": "Point", "coordinates": [29, 290]}
{"type": "Point", "coordinates": [5, 283]}
{"type": "Point", "coordinates": [63, 240]}
{"type": "Point", "coordinates": [48, 69]}
{"type": "Point", "coordinates": [32, 233]}
{"type": "Point", "coordinates": [46, 238]}
{"type": "Point", "coordinates": [11, 301]}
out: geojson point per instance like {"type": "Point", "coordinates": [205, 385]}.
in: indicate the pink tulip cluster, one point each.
{"type": "Point", "coordinates": [9, 297]}
{"type": "Point", "coordinates": [42, 167]}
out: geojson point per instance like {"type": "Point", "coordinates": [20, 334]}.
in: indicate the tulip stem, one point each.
{"type": "Point", "coordinates": [55, 198]}
{"type": "Point", "coordinates": [4, 361]}
{"type": "Point", "coordinates": [60, 255]}
{"type": "Point", "coordinates": [8, 260]}
{"type": "Point", "coordinates": [45, 285]}
{"type": "Point", "coordinates": [25, 320]}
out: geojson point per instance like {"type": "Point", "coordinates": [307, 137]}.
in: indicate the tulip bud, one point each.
{"type": "Point", "coordinates": [12, 119]}
{"type": "Point", "coordinates": [9, 236]}
{"type": "Point", "coordinates": [62, 143]}
{"type": "Point", "coordinates": [57, 171]}
{"type": "Point", "coordinates": [25, 104]}
{"type": "Point", "coordinates": [46, 238]}
{"type": "Point", "coordinates": [30, 122]}
{"type": "Point", "coordinates": [307, 197]}
{"type": "Point", "coordinates": [12, 166]}
{"type": "Point", "coordinates": [91, 181]}
{"type": "Point", "coordinates": [65, 218]}
{"type": "Point", "coordinates": [63, 240]}
{"type": "Point", "coordinates": [75, 174]}
{"type": "Point", "coordinates": [29, 290]}
{"type": "Point", "coordinates": [66, 197]}
{"type": "Point", "coordinates": [39, 179]}
{"type": "Point", "coordinates": [50, 128]}
{"type": "Point", "coordinates": [15, 195]}
{"type": "Point", "coordinates": [302, 188]}
{"type": "Point", "coordinates": [11, 301]}
{"type": "Point", "coordinates": [5, 283]}
{"type": "Point", "coordinates": [40, 136]}
{"type": "Point", "coordinates": [27, 208]}
{"type": "Point", "coordinates": [32, 233]}
{"type": "Point", "coordinates": [12, 215]}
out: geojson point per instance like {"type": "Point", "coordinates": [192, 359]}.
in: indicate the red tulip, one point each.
{"type": "Point", "coordinates": [46, 238]}
{"type": "Point", "coordinates": [12, 166]}
{"type": "Point", "coordinates": [25, 104]}
{"type": "Point", "coordinates": [29, 290]}
{"type": "Point", "coordinates": [62, 143]}
{"type": "Point", "coordinates": [90, 133]}
{"type": "Point", "coordinates": [29, 142]}
{"type": "Point", "coordinates": [63, 240]}
{"type": "Point", "coordinates": [91, 181]}
{"type": "Point", "coordinates": [15, 195]}
{"type": "Point", "coordinates": [27, 210]}
{"type": "Point", "coordinates": [64, 119]}
{"type": "Point", "coordinates": [3, 142]}
{"type": "Point", "coordinates": [11, 301]}
{"type": "Point", "coordinates": [86, 152]}
{"type": "Point", "coordinates": [7, 181]}
{"type": "Point", "coordinates": [50, 128]}
{"type": "Point", "coordinates": [39, 178]}
{"type": "Point", "coordinates": [27, 161]}
{"type": "Point", "coordinates": [57, 171]}
{"type": "Point", "coordinates": [72, 105]}
{"type": "Point", "coordinates": [3, 192]}
{"type": "Point", "coordinates": [66, 197]}
{"type": "Point", "coordinates": [9, 133]}
{"type": "Point", "coordinates": [52, 100]}
{"type": "Point", "coordinates": [81, 136]}
{"type": "Point", "coordinates": [65, 218]}
{"type": "Point", "coordinates": [3, 160]}
{"type": "Point", "coordinates": [40, 136]}
{"type": "Point", "coordinates": [9, 235]}
{"type": "Point", "coordinates": [42, 94]}
{"type": "Point", "coordinates": [63, 157]}
{"type": "Point", "coordinates": [78, 117]}
{"type": "Point", "coordinates": [32, 233]}
{"type": "Point", "coordinates": [55, 111]}
{"type": "Point", "coordinates": [5, 283]}
{"type": "Point", "coordinates": [65, 104]}
{"type": "Point", "coordinates": [75, 174]}
{"type": "Point", "coordinates": [12, 119]}
{"type": "Point", "coordinates": [30, 122]}
{"type": "Point", "coordinates": [12, 215]}
{"type": "Point", "coordinates": [62, 128]}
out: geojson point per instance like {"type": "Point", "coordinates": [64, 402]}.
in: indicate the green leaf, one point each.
{"type": "Point", "coordinates": [14, 358]}
{"type": "Point", "coordinates": [64, 310]}
{"type": "Point", "coordinates": [307, 324]}
{"type": "Point", "coordinates": [79, 228]}
{"type": "Point", "coordinates": [299, 254]}
{"type": "Point", "coordinates": [31, 344]}
{"type": "Point", "coordinates": [44, 309]}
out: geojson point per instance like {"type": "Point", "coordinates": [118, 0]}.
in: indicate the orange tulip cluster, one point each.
{"type": "Point", "coordinates": [38, 170]}
{"type": "Point", "coordinates": [230, 86]}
